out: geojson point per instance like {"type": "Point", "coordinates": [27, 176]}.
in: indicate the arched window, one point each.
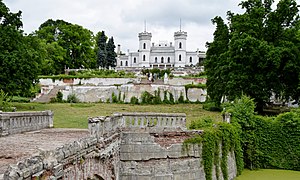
{"type": "Point", "coordinates": [179, 57]}
{"type": "Point", "coordinates": [168, 59]}
{"type": "Point", "coordinates": [121, 63]}
{"type": "Point", "coordinates": [180, 45]}
{"type": "Point", "coordinates": [155, 60]}
{"type": "Point", "coordinates": [191, 59]}
{"type": "Point", "coordinates": [126, 63]}
{"type": "Point", "coordinates": [162, 60]}
{"type": "Point", "coordinates": [144, 57]}
{"type": "Point", "coordinates": [144, 45]}
{"type": "Point", "coordinates": [134, 60]}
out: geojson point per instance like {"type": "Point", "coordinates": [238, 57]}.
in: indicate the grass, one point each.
{"type": "Point", "coordinates": [68, 115]}
{"type": "Point", "coordinates": [269, 174]}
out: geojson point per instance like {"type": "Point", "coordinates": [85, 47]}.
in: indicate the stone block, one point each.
{"type": "Point", "coordinates": [58, 171]}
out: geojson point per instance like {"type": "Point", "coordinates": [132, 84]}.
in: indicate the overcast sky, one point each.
{"type": "Point", "coordinates": [124, 19]}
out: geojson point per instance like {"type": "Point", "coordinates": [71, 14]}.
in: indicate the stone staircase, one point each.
{"type": "Point", "coordinates": [45, 98]}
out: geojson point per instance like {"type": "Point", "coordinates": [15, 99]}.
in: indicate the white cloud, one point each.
{"type": "Point", "coordinates": [124, 19]}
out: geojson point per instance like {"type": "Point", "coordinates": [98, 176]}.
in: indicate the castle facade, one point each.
{"type": "Point", "coordinates": [162, 55]}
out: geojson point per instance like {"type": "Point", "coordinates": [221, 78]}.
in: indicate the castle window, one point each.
{"type": "Point", "coordinates": [155, 59]}
{"type": "Point", "coordinates": [134, 60]}
{"type": "Point", "coordinates": [180, 45]}
{"type": "Point", "coordinates": [144, 57]}
{"type": "Point", "coordinates": [162, 59]}
{"type": "Point", "coordinates": [168, 59]}
{"type": "Point", "coordinates": [179, 57]}
{"type": "Point", "coordinates": [126, 63]}
{"type": "Point", "coordinates": [121, 63]}
{"type": "Point", "coordinates": [144, 46]}
{"type": "Point", "coordinates": [191, 59]}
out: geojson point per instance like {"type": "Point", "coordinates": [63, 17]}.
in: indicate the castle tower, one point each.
{"type": "Point", "coordinates": [144, 48]}
{"type": "Point", "coordinates": [180, 48]}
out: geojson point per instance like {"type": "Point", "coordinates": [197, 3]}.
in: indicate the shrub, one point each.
{"type": "Point", "coordinates": [181, 98]}
{"type": "Point", "coordinates": [114, 98]}
{"type": "Point", "coordinates": [72, 98]}
{"type": "Point", "coordinates": [4, 101]}
{"type": "Point", "coordinates": [20, 99]}
{"type": "Point", "coordinates": [147, 98]}
{"type": "Point", "coordinates": [59, 96]}
{"type": "Point", "coordinates": [134, 100]}
{"type": "Point", "coordinates": [211, 106]}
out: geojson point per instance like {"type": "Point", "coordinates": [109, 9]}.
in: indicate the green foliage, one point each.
{"type": "Point", "coordinates": [59, 96]}
{"type": "Point", "coordinates": [19, 59]}
{"type": "Point", "coordinates": [147, 98]}
{"type": "Point", "coordinates": [159, 72]}
{"type": "Point", "coordinates": [214, 137]}
{"type": "Point", "coordinates": [72, 98]}
{"type": "Point", "coordinates": [101, 49]}
{"type": "Point", "coordinates": [157, 98]}
{"type": "Point", "coordinates": [134, 100]}
{"type": "Point", "coordinates": [20, 99]}
{"type": "Point", "coordinates": [66, 45]}
{"type": "Point", "coordinates": [86, 74]}
{"type": "Point", "coordinates": [267, 142]}
{"type": "Point", "coordinates": [114, 98]}
{"type": "Point", "coordinates": [257, 54]}
{"type": "Point", "coordinates": [181, 98]}
{"type": "Point", "coordinates": [200, 86]}
{"type": "Point", "coordinates": [4, 101]}
{"type": "Point", "coordinates": [211, 106]}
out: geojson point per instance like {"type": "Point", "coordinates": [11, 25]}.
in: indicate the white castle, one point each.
{"type": "Point", "coordinates": [162, 55]}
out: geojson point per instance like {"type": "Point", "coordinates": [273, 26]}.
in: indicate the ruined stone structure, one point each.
{"type": "Point", "coordinates": [125, 146]}
{"type": "Point", "coordinates": [101, 89]}
{"type": "Point", "coordinates": [13, 123]}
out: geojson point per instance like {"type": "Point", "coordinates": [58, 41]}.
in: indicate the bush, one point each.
{"type": "Point", "coordinates": [134, 100]}
{"type": "Point", "coordinates": [59, 97]}
{"type": "Point", "coordinates": [147, 98]}
{"type": "Point", "coordinates": [211, 106]}
{"type": "Point", "coordinates": [114, 98]}
{"type": "Point", "coordinates": [72, 98]}
{"type": "Point", "coordinates": [181, 98]}
{"type": "Point", "coordinates": [20, 99]}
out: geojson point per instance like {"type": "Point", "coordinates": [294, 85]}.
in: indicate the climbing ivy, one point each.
{"type": "Point", "coordinates": [218, 136]}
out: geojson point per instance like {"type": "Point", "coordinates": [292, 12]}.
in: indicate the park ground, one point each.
{"type": "Point", "coordinates": [67, 115]}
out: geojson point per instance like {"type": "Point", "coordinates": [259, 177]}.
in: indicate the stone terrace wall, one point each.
{"type": "Point", "coordinates": [18, 122]}
{"type": "Point", "coordinates": [123, 146]}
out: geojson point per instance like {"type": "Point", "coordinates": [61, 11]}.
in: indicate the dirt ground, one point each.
{"type": "Point", "coordinates": [16, 147]}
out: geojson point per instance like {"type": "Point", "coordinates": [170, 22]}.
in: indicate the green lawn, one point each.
{"type": "Point", "coordinates": [269, 174]}
{"type": "Point", "coordinates": [76, 115]}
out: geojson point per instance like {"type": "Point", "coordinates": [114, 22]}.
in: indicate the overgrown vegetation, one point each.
{"type": "Point", "coordinates": [217, 138]}
{"type": "Point", "coordinates": [159, 73]}
{"type": "Point", "coordinates": [87, 74]}
{"type": "Point", "coordinates": [267, 142]}
{"type": "Point", "coordinates": [258, 141]}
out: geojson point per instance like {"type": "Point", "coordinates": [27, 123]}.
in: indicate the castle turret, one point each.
{"type": "Point", "coordinates": [144, 48]}
{"type": "Point", "coordinates": [180, 48]}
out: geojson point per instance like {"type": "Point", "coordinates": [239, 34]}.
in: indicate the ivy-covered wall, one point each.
{"type": "Point", "coordinates": [257, 141]}
{"type": "Point", "coordinates": [267, 142]}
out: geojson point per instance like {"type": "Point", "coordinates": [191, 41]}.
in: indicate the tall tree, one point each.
{"type": "Point", "coordinates": [111, 54]}
{"type": "Point", "coordinates": [18, 59]}
{"type": "Point", "coordinates": [76, 41]}
{"type": "Point", "coordinates": [262, 55]}
{"type": "Point", "coordinates": [216, 57]}
{"type": "Point", "coordinates": [101, 49]}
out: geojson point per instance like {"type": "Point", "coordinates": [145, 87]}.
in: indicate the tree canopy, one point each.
{"type": "Point", "coordinates": [257, 54]}
{"type": "Point", "coordinates": [19, 60]}
{"type": "Point", "coordinates": [67, 45]}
